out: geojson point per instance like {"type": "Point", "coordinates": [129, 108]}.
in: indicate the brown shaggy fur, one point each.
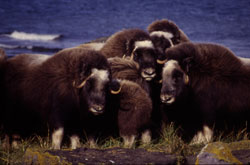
{"type": "Point", "coordinates": [169, 26]}
{"type": "Point", "coordinates": [41, 90]}
{"type": "Point", "coordinates": [134, 115]}
{"type": "Point", "coordinates": [2, 55]}
{"type": "Point", "coordinates": [125, 69]}
{"type": "Point", "coordinates": [218, 83]}
{"type": "Point", "coordinates": [119, 43]}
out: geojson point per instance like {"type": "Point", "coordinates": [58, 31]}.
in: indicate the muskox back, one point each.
{"type": "Point", "coordinates": [121, 43]}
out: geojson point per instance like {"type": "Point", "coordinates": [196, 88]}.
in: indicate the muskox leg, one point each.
{"type": "Point", "coordinates": [204, 136]}
{"type": "Point", "coordinates": [128, 141]}
{"type": "Point", "coordinates": [15, 141]}
{"type": "Point", "coordinates": [6, 142]}
{"type": "Point", "coordinates": [57, 137]}
{"type": "Point", "coordinates": [146, 137]}
{"type": "Point", "coordinates": [92, 142]}
{"type": "Point", "coordinates": [208, 133]}
{"type": "Point", "coordinates": [75, 142]}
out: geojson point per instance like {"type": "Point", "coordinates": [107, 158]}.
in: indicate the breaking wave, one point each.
{"type": "Point", "coordinates": [33, 36]}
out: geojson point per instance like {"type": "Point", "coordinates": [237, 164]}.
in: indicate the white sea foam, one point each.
{"type": "Point", "coordinates": [33, 36]}
{"type": "Point", "coordinates": [8, 46]}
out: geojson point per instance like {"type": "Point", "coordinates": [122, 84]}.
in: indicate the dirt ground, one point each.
{"type": "Point", "coordinates": [115, 156]}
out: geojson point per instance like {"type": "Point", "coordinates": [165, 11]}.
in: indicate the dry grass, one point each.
{"type": "Point", "coordinates": [169, 142]}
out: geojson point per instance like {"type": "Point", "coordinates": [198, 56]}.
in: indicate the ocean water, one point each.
{"type": "Point", "coordinates": [46, 26]}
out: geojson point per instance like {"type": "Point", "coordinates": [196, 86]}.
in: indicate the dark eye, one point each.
{"type": "Point", "coordinates": [177, 75]}
{"type": "Point", "coordinates": [136, 55]}
{"type": "Point", "coordinates": [89, 85]}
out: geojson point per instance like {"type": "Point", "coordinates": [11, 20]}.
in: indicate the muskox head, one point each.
{"type": "Point", "coordinates": [144, 54]}
{"type": "Point", "coordinates": [175, 78]}
{"type": "Point", "coordinates": [96, 87]}
{"type": "Point", "coordinates": [165, 34]}
{"type": "Point", "coordinates": [93, 82]}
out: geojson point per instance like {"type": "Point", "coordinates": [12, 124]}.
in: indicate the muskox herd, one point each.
{"type": "Point", "coordinates": [131, 84]}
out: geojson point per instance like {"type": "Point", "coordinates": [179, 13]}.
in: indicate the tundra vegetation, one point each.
{"type": "Point", "coordinates": [169, 142]}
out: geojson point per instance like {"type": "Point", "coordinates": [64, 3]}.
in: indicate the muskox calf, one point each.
{"type": "Point", "coordinates": [165, 34]}
{"type": "Point", "coordinates": [134, 116]}
{"type": "Point", "coordinates": [212, 83]}
{"type": "Point", "coordinates": [133, 44]}
{"type": "Point", "coordinates": [60, 91]}
{"type": "Point", "coordinates": [130, 113]}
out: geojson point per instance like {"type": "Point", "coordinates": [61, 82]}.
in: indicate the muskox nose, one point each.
{"type": "Point", "coordinates": [148, 74]}
{"type": "Point", "coordinates": [149, 71]}
{"type": "Point", "coordinates": [96, 109]}
{"type": "Point", "coordinates": [167, 99]}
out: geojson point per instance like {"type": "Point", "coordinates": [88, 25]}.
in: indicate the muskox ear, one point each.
{"type": "Point", "coordinates": [115, 87]}
{"type": "Point", "coordinates": [188, 63]}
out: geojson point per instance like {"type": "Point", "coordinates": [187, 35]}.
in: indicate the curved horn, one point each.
{"type": "Point", "coordinates": [124, 56]}
{"type": "Point", "coordinates": [161, 61]}
{"type": "Point", "coordinates": [132, 54]}
{"type": "Point", "coordinates": [83, 83]}
{"type": "Point", "coordinates": [186, 79]}
{"type": "Point", "coordinates": [117, 91]}
{"type": "Point", "coordinates": [171, 43]}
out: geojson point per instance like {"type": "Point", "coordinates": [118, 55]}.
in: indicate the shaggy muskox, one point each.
{"type": "Point", "coordinates": [129, 70]}
{"type": "Point", "coordinates": [133, 44]}
{"type": "Point", "coordinates": [134, 113]}
{"type": "Point", "coordinates": [165, 34]}
{"type": "Point", "coordinates": [211, 82]}
{"type": "Point", "coordinates": [60, 91]}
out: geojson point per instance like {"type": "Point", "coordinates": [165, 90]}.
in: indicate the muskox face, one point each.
{"type": "Point", "coordinates": [146, 58]}
{"type": "Point", "coordinates": [144, 54]}
{"type": "Point", "coordinates": [174, 81]}
{"type": "Point", "coordinates": [96, 88]}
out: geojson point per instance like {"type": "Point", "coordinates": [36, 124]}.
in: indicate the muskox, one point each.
{"type": "Point", "coordinates": [129, 114]}
{"type": "Point", "coordinates": [125, 69]}
{"type": "Point", "coordinates": [133, 44]}
{"type": "Point", "coordinates": [60, 92]}
{"type": "Point", "coordinates": [165, 34]}
{"type": "Point", "coordinates": [209, 86]}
